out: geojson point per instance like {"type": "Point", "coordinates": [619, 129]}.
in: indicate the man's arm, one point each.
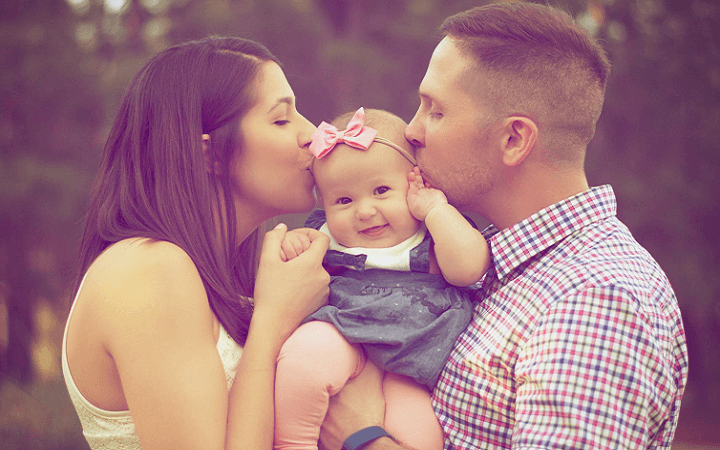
{"type": "Point", "coordinates": [595, 374]}
{"type": "Point", "coordinates": [360, 404]}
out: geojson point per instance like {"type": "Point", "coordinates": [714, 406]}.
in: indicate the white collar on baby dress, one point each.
{"type": "Point", "coordinates": [391, 258]}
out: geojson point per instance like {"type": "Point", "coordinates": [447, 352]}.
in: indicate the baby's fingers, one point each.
{"type": "Point", "coordinates": [288, 250]}
{"type": "Point", "coordinates": [310, 233]}
{"type": "Point", "coordinates": [295, 244]}
{"type": "Point", "coordinates": [411, 177]}
{"type": "Point", "coordinates": [319, 243]}
{"type": "Point", "coordinates": [416, 178]}
{"type": "Point", "coordinates": [303, 238]}
{"type": "Point", "coordinates": [422, 182]}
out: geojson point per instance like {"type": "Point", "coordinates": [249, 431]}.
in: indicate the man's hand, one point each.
{"type": "Point", "coordinates": [422, 199]}
{"type": "Point", "coordinates": [360, 404]}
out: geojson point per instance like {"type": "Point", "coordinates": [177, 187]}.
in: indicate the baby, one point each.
{"type": "Point", "coordinates": [402, 258]}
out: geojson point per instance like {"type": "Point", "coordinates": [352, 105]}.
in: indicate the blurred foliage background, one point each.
{"type": "Point", "coordinates": [65, 63]}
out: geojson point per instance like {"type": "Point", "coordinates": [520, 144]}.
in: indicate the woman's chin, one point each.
{"type": "Point", "coordinates": [309, 205]}
{"type": "Point", "coordinates": [302, 205]}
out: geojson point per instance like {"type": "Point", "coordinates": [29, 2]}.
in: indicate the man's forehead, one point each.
{"type": "Point", "coordinates": [447, 64]}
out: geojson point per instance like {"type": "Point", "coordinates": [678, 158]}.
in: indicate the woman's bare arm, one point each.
{"type": "Point", "coordinates": [285, 293]}
{"type": "Point", "coordinates": [157, 326]}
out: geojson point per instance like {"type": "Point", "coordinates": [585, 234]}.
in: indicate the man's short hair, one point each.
{"type": "Point", "coordinates": [534, 60]}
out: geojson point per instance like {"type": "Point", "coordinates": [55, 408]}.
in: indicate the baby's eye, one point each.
{"type": "Point", "coordinates": [381, 190]}
{"type": "Point", "coordinates": [343, 200]}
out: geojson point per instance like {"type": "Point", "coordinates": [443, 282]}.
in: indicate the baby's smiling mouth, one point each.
{"type": "Point", "coordinates": [374, 231]}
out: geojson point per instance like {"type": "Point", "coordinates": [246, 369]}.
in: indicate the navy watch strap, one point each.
{"type": "Point", "coordinates": [360, 439]}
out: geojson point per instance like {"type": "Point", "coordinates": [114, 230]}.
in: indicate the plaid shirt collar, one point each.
{"type": "Point", "coordinates": [513, 246]}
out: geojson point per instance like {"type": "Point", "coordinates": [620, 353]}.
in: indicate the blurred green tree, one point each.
{"type": "Point", "coordinates": [655, 145]}
{"type": "Point", "coordinates": [65, 63]}
{"type": "Point", "coordinates": [51, 117]}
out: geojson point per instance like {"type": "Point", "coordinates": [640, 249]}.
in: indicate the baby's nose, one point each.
{"type": "Point", "coordinates": [365, 211]}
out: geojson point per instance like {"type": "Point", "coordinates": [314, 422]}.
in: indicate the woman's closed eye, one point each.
{"type": "Point", "coordinates": [281, 122]}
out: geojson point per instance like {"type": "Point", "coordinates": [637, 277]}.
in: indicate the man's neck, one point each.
{"type": "Point", "coordinates": [529, 194]}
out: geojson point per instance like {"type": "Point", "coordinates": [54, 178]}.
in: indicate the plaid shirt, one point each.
{"type": "Point", "coordinates": [576, 341]}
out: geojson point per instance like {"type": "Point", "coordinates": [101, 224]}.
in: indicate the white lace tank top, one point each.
{"type": "Point", "coordinates": [115, 430]}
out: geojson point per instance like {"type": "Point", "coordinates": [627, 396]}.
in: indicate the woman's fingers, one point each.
{"type": "Point", "coordinates": [272, 241]}
{"type": "Point", "coordinates": [287, 292]}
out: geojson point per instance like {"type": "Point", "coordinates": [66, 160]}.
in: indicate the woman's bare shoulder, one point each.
{"type": "Point", "coordinates": [143, 253]}
{"type": "Point", "coordinates": [143, 259]}
{"type": "Point", "coordinates": [139, 300]}
{"type": "Point", "coordinates": [142, 274]}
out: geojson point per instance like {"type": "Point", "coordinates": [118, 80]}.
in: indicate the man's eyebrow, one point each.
{"type": "Point", "coordinates": [424, 96]}
{"type": "Point", "coordinates": [287, 100]}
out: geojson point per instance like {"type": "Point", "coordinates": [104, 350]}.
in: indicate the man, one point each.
{"type": "Point", "coordinates": [577, 339]}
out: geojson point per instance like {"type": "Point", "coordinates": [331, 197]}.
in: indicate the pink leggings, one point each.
{"type": "Point", "coordinates": [315, 363]}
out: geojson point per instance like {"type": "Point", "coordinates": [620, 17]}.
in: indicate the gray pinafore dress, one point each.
{"type": "Point", "coordinates": [407, 321]}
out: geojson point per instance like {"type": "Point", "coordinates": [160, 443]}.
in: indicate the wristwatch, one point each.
{"type": "Point", "coordinates": [360, 439]}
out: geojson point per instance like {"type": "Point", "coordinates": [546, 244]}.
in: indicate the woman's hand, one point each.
{"type": "Point", "coordinates": [288, 291]}
{"type": "Point", "coordinates": [360, 404]}
{"type": "Point", "coordinates": [285, 293]}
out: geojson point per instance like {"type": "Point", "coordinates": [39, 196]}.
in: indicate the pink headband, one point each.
{"type": "Point", "coordinates": [356, 135]}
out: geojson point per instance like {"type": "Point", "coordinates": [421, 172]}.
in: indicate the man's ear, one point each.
{"type": "Point", "coordinates": [519, 135]}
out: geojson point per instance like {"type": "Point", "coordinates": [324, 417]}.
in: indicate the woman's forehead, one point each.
{"type": "Point", "coordinates": [272, 87]}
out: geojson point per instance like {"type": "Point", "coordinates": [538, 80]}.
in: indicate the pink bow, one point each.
{"type": "Point", "coordinates": [355, 135]}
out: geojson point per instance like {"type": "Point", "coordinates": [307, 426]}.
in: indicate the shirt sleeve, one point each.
{"type": "Point", "coordinates": [594, 374]}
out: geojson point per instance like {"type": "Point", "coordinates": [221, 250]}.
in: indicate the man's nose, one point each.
{"type": "Point", "coordinates": [415, 132]}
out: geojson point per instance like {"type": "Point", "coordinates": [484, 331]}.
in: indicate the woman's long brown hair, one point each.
{"type": "Point", "coordinates": [154, 181]}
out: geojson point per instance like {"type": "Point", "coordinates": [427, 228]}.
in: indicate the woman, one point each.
{"type": "Point", "coordinates": [207, 145]}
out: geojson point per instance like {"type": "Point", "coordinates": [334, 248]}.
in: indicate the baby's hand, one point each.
{"type": "Point", "coordinates": [295, 243]}
{"type": "Point", "coordinates": [422, 199]}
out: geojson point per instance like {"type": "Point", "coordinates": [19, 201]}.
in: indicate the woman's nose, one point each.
{"type": "Point", "coordinates": [306, 131]}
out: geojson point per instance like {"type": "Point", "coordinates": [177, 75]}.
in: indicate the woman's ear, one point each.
{"type": "Point", "coordinates": [211, 166]}
{"type": "Point", "coordinates": [519, 136]}
{"type": "Point", "coordinates": [206, 152]}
